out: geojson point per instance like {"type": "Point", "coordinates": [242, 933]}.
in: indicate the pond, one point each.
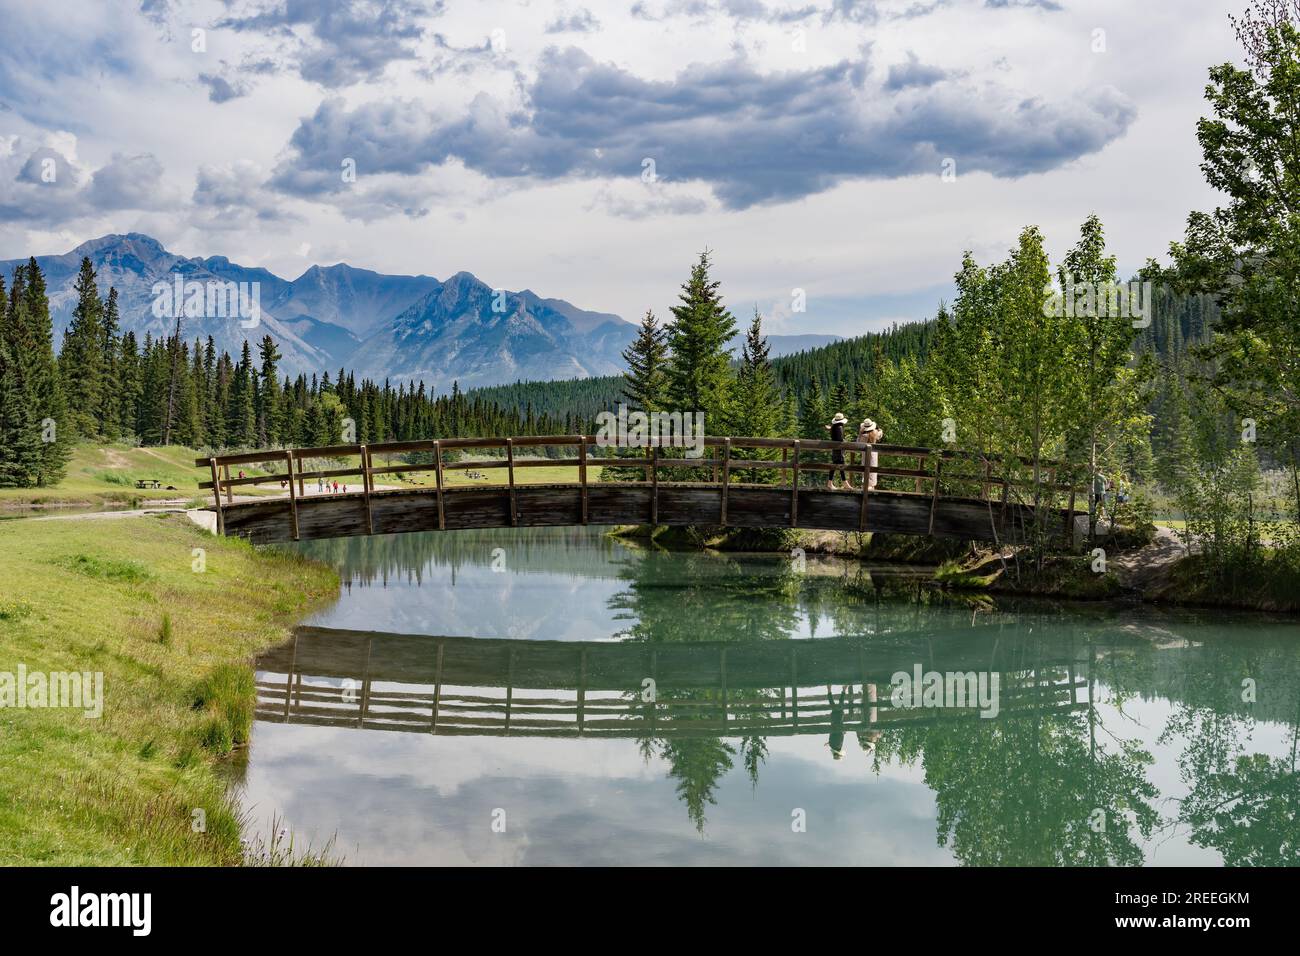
{"type": "Point", "coordinates": [556, 696]}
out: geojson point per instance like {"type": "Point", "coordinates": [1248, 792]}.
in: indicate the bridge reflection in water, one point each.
{"type": "Point", "coordinates": [494, 687]}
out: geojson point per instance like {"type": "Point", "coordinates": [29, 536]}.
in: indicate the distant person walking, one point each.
{"type": "Point", "coordinates": [836, 428]}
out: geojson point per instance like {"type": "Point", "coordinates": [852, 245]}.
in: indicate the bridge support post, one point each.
{"type": "Point", "coordinates": [726, 477]}
{"type": "Point", "coordinates": [582, 474]}
{"type": "Point", "coordinates": [654, 484]}
{"type": "Point", "coordinates": [293, 496]}
{"type": "Point", "coordinates": [510, 472]}
{"type": "Point", "coordinates": [216, 494]}
{"type": "Point", "coordinates": [934, 498]}
{"type": "Point", "coordinates": [366, 478]}
{"type": "Point", "coordinates": [225, 477]}
{"type": "Point", "coordinates": [437, 464]}
{"type": "Point", "coordinates": [794, 488]}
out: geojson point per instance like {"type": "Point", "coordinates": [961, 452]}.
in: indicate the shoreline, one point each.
{"type": "Point", "coordinates": [172, 617]}
{"type": "Point", "coordinates": [1155, 574]}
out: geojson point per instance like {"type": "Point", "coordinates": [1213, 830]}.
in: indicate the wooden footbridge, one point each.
{"type": "Point", "coordinates": [499, 687]}
{"type": "Point", "coordinates": [920, 491]}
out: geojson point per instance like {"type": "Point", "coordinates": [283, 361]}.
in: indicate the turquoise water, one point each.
{"type": "Point", "coordinates": [1122, 736]}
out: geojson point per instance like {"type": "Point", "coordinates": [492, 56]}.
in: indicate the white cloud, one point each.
{"type": "Point", "coordinates": [138, 119]}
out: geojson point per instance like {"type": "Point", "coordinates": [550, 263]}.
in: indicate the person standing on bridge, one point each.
{"type": "Point", "coordinates": [869, 433]}
{"type": "Point", "coordinates": [836, 743]}
{"type": "Point", "coordinates": [836, 428]}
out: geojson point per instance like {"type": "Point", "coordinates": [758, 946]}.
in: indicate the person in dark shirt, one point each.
{"type": "Point", "coordinates": [836, 743]}
{"type": "Point", "coordinates": [836, 428]}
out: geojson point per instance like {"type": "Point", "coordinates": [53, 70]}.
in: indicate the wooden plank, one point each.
{"type": "Point", "coordinates": [293, 496]}
{"type": "Point", "coordinates": [726, 478]}
{"type": "Point", "coordinates": [225, 474]}
{"type": "Point", "coordinates": [437, 458]}
{"type": "Point", "coordinates": [654, 485]}
{"type": "Point", "coordinates": [510, 463]}
{"type": "Point", "coordinates": [582, 476]}
{"type": "Point", "coordinates": [216, 494]}
{"type": "Point", "coordinates": [365, 488]}
{"type": "Point", "coordinates": [934, 499]}
{"type": "Point", "coordinates": [794, 488]}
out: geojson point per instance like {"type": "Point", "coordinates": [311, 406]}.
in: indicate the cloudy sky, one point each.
{"type": "Point", "coordinates": [590, 150]}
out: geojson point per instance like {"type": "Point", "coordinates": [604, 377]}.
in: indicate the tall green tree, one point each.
{"type": "Point", "coordinates": [758, 410]}
{"type": "Point", "coordinates": [1111, 398]}
{"type": "Point", "coordinates": [32, 349]}
{"type": "Point", "coordinates": [270, 413]}
{"type": "Point", "coordinates": [645, 383]}
{"type": "Point", "coordinates": [1246, 252]}
{"type": "Point", "coordinates": [110, 417]}
{"type": "Point", "coordinates": [699, 371]}
{"type": "Point", "coordinates": [81, 360]}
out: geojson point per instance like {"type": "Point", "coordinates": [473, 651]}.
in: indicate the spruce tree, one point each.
{"type": "Point", "coordinates": [128, 385]}
{"type": "Point", "coordinates": [20, 444]}
{"type": "Point", "coordinates": [759, 409]}
{"type": "Point", "coordinates": [81, 361]}
{"type": "Point", "coordinates": [110, 413]}
{"type": "Point", "coordinates": [32, 349]}
{"type": "Point", "coordinates": [269, 399]}
{"type": "Point", "coordinates": [699, 371]}
{"type": "Point", "coordinates": [645, 381]}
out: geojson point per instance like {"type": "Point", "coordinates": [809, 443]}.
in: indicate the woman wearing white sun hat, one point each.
{"type": "Point", "coordinates": [869, 433]}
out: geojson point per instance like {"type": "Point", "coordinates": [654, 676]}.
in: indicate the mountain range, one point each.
{"type": "Point", "coordinates": [397, 327]}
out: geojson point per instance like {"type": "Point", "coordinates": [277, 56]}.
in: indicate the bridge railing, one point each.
{"type": "Point", "coordinates": [962, 472]}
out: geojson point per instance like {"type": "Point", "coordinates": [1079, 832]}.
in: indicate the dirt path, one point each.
{"type": "Point", "coordinates": [1148, 567]}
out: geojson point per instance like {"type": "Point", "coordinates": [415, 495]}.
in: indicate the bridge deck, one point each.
{"type": "Point", "coordinates": [615, 503]}
{"type": "Point", "coordinates": [948, 494]}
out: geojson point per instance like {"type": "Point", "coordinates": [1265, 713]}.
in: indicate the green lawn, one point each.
{"type": "Point", "coordinates": [107, 473]}
{"type": "Point", "coordinates": [175, 647]}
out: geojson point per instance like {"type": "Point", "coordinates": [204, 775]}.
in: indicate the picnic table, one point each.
{"type": "Point", "coordinates": [153, 483]}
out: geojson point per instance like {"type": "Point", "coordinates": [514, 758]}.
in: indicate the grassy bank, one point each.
{"type": "Point", "coordinates": [106, 474]}
{"type": "Point", "coordinates": [121, 597]}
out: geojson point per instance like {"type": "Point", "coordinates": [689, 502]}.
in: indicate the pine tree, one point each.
{"type": "Point", "coordinates": [81, 360]}
{"type": "Point", "coordinates": [759, 409]}
{"type": "Point", "coordinates": [128, 385]}
{"type": "Point", "coordinates": [20, 445]}
{"type": "Point", "coordinates": [241, 422]}
{"type": "Point", "coordinates": [269, 399]}
{"type": "Point", "coordinates": [32, 350]}
{"type": "Point", "coordinates": [699, 370]}
{"type": "Point", "coordinates": [645, 381]}
{"type": "Point", "coordinates": [813, 416]}
{"type": "Point", "coordinates": [110, 416]}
